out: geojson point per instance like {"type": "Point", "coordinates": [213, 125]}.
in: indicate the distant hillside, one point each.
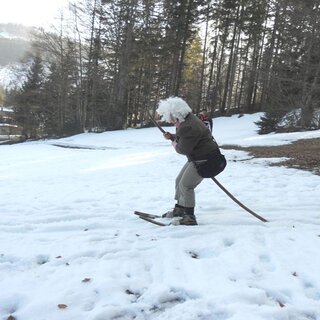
{"type": "Point", "coordinates": [14, 43]}
{"type": "Point", "coordinates": [12, 50]}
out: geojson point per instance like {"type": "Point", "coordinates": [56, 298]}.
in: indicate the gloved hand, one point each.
{"type": "Point", "coordinates": [169, 136]}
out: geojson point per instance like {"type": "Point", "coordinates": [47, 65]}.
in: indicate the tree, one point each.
{"type": "Point", "coordinates": [29, 99]}
{"type": "Point", "coordinates": [192, 86]}
{"type": "Point", "coordinates": [2, 95]}
{"type": "Point", "coordinates": [118, 58]}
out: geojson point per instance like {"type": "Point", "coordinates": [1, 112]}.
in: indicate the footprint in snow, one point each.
{"type": "Point", "coordinates": [265, 261]}
{"type": "Point", "coordinates": [311, 291]}
{"type": "Point", "coordinates": [228, 242]}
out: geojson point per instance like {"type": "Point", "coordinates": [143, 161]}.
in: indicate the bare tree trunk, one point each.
{"type": "Point", "coordinates": [308, 94]}
{"type": "Point", "coordinates": [232, 96]}
{"type": "Point", "coordinates": [244, 73]}
{"type": "Point", "coordinates": [89, 80]}
{"type": "Point", "coordinates": [121, 87]}
{"type": "Point", "coordinates": [183, 47]}
{"type": "Point", "coordinates": [270, 55]}
{"type": "Point", "coordinates": [62, 104]}
{"type": "Point", "coordinates": [252, 74]}
{"type": "Point", "coordinates": [307, 107]}
{"type": "Point", "coordinates": [203, 64]}
{"type": "Point", "coordinates": [220, 64]}
{"type": "Point", "coordinates": [228, 75]}
{"type": "Point", "coordinates": [209, 94]}
{"type": "Point", "coordinates": [81, 110]}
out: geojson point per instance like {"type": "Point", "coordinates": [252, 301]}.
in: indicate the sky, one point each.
{"type": "Point", "coordinates": [30, 12]}
{"type": "Point", "coordinates": [71, 247]}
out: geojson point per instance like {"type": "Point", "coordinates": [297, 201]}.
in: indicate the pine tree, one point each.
{"type": "Point", "coordinates": [29, 100]}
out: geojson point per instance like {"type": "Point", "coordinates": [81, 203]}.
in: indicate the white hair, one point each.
{"type": "Point", "coordinates": [173, 107]}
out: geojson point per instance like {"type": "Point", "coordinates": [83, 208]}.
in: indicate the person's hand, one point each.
{"type": "Point", "coordinates": [168, 136]}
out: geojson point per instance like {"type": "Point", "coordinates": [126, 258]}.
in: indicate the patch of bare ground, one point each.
{"type": "Point", "coordinates": [301, 154]}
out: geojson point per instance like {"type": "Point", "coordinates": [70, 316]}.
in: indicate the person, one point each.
{"type": "Point", "coordinates": [204, 159]}
{"type": "Point", "coordinates": [206, 119]}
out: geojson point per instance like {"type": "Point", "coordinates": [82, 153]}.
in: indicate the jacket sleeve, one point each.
{"type": "Point", "coordinates": [187, 139]}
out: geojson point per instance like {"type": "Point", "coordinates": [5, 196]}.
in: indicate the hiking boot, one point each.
{"type": "Point", "coordinates": [178, 211]}
{"type": "Point", "coordinates": [186, 220]}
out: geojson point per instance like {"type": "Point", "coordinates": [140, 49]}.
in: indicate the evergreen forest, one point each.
{"type": "Point", "coordinates": [107, 63]}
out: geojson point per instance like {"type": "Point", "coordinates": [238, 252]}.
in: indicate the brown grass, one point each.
{"type": "Point", "coordinates": [302, 154]}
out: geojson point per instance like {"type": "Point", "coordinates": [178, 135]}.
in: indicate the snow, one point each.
{"type": "Point", "coordinates": [6, 109]}
{"type": "Point", "coordinates": [7, 35]}
{"type": "Point", "coordinates": [8, 125]}
{"type": "Point", "coordinates": [12, 76]}
{"type": "Point", "coordinates": [243, 132]}
{"type": "Point", "coordinates": [69, 237]}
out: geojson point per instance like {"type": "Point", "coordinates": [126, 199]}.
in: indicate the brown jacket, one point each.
{"type": "Point", "coordinates": [194, 139]}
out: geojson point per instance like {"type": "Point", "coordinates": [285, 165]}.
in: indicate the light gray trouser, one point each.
{"type": "Point", "coordinates": [186, 181]}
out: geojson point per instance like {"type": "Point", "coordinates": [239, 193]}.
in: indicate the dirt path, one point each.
{"type": "Point", "coordinates": [301, 154]}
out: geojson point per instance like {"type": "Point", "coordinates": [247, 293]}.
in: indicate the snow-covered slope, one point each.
{"type": "Point", "coordinates": [14, 43]}
{"type": "Point", "coordinates": [11, 76]}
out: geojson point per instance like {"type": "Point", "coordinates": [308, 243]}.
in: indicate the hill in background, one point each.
{"type": "Point", "coordinates": [14, 42]}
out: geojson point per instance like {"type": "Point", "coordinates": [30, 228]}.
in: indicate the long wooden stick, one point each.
{"type": "Point", "coordinates": [237, 201]}
{"type": "Point", "coordinates": [156, 123]}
